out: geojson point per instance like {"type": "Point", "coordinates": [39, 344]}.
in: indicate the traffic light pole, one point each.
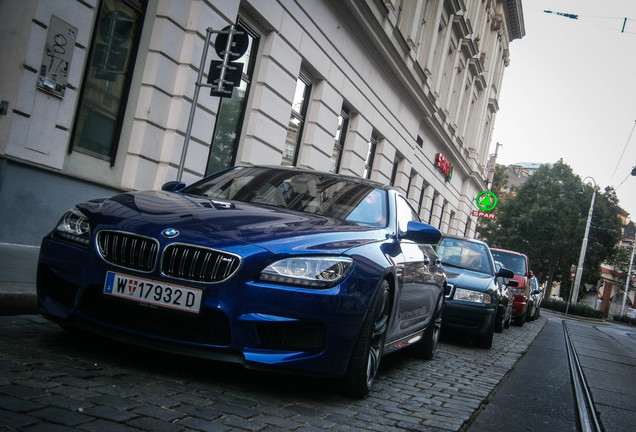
{"type": "Point", "coordinates": [195, 98]}
{"type": "Point", "coordinates": [218, 89]}
{"type": "Point", "coordinates": [226, 61]}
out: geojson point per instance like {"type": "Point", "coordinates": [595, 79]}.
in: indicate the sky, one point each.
{"type": "Point", "coordinates": [570, 92]}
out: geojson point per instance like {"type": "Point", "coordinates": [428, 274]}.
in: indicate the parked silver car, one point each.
{"type": "Point", "coordinates": [536, 297]}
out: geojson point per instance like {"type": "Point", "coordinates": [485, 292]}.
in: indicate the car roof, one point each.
{"type": "Point", "coordinates": [508, 252]}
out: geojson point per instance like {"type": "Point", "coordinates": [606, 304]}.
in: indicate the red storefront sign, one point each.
{"type": "Point", "coordinates": [444, 166]}
{"type": "Point", "coordinates": [483, 214]}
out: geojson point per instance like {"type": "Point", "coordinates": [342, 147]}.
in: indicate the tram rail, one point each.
{"type": "Point", "coordinates": [588, 419]}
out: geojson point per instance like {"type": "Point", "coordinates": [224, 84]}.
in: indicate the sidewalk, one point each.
{"type": "Point", "coordinates": [18, 265]}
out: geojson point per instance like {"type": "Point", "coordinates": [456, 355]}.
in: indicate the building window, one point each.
{"type": "Point", "coordinates": [441, 216]}
{"type": "Point", "coordinates": [408, 186]}
{"type": "Point", "coordinates": [368, 164]}
{"type": "Point", "coordinates": [297, 120]}
{"type": "Point", "coordinates": [421, 201]}
{"type": "Point", "coordinates": [432, 210]}
{"type": "Point", "coordinates": [339, 140]}
{"type": "Point", "coordinates": [229, 120]}
{"type": "Point", "coordinates": [420, 141]}
{"type": "Point", "coordinates": [106, 82]}
{"type": "Point", "coordinates": [394, 171]}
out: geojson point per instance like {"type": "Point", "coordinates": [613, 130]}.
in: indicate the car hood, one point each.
{"type": "Point", "coordinates": [217, 223]}
{"type": "Point", "coordinates": [523, 281]}
{"type": "Point", "coordinates": [464, 278]}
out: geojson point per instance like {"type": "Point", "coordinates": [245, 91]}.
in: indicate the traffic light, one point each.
{"type": "Point", "coordinates": [230, 45]}
{"type": "Point", "coordinates": [228, 78]}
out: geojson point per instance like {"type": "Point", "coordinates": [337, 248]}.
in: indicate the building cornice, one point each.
{"type": "Point", "coordinates": [514, 16]}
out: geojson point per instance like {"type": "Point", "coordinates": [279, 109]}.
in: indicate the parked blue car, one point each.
{"type": "Point", "coordinates": [270, 267]}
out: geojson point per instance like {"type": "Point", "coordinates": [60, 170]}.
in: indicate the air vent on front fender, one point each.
{"type": "Point", "coordinates": [198, 264]}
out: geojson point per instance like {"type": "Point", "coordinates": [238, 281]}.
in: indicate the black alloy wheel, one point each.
{"type": "Point", "coordinates": [365, 359]}
{"type": "Point", "coordinates": [427, 347]}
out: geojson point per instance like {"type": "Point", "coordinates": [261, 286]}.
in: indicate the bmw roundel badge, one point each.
{"type": "Point", "coordinates": [170, 232]}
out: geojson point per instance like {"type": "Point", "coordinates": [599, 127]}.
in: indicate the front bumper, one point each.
{"type": "Point", "coordinates": [261, 326]}
{"type": "Point", "coordinates": [519, 306]}
{"type": "Point", "coordinates": [469, 319]}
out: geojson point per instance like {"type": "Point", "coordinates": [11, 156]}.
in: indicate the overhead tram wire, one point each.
{"type": "Point", "coordinates": [624, 148]}
{"type": "Point", "coordinates": [577, 16]}
{"type": "Point", "coordinates": [626, 177]}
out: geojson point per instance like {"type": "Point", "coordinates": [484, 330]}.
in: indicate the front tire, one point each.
{"type": "Point", "coordinates": [367, 352]}
{"type": "Point", "coordinates": [485, 342]}
{"type": "Point", "coordinates": [521, 320]}
{"type": "Point", "coordinates": [501, 321]}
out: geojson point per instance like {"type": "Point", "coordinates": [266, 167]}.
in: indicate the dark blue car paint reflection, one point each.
{"type": "Point", "coordinates": [299, 271]}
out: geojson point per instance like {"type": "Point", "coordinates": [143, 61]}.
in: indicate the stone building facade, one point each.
{"type": "Point", "coordinates": [98, 94]}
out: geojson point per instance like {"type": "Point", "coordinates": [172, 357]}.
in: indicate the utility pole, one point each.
{"type": "Point", "coordinates": [492, 165]}
{"type": "Point", "coordinates": [629, 276]}
{"type": "Point", "coordinates": [579, 269]}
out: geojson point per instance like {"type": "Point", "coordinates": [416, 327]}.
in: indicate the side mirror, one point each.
{"type": "Point", "coordinates": [173, 186]}
{"type": "Point", "coordinates": [513, 283]}
{"type": "Point", "coordinates": [535, 292]}
{"type": "Point", "coordinates": [504, 272]}
{"type": "Point", "coordinates": [422, 233]}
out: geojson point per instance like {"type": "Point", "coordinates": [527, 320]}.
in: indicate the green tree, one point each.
{"type": "Point", "coordinates": [499, 185]}
{"type": "Point", "coordinates": [545, 219]}
{"type": "Point", "coordinates": [500, 179]}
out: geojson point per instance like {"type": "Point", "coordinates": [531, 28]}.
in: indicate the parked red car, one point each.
{"type": "Point", "coordinates": [518, 263]}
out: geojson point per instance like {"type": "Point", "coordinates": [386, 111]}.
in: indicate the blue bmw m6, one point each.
{"type": "Point", "coordinates": [270, 267]}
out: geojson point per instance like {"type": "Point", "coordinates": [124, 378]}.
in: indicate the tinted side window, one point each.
{"type": "Point", "coordinates": [405, 214]}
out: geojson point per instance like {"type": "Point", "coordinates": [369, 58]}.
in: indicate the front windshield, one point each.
{"type": "Point", "coordinates": [465, 254]}
{"type": "Point", "coordinates": [316, 193]}
{"type": "Point", "coordinates": [516, 263]}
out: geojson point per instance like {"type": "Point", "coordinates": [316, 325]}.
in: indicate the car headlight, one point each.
{"type": "Point", "coordinates": [472, 296]}
{"type": "Point", "coordinates": [315, 272]}
{"type": "Point", "coordinates": [519, 292]}
{"type": "Point", "coordinates": [74, 227]}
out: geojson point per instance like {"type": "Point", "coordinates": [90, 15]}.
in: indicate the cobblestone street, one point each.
{"type": "Point", "coordinates": [50, 381]}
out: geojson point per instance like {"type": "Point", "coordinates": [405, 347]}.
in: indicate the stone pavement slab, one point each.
{"type": "Point", "coordinates": [18, 265]}
{"type": "Point", "coordinates": [51, 379]}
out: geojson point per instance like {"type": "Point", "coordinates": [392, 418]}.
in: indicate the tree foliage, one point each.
{"type": "Point", "coordinates": [545, 218]}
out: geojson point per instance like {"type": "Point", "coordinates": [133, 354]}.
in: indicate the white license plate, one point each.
{"type": "Point", "coordinates": [153, 292]}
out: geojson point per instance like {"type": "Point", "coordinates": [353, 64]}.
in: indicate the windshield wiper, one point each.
{"type": "Point", "coordinates": [476, 270]}
{"type": "Point", "coordinates": [444, 263]}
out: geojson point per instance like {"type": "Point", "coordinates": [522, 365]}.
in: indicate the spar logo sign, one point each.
{"type": "Point", "coordinates": [486, 202]}
{"type": "Point", "coordinates": [442, 164]}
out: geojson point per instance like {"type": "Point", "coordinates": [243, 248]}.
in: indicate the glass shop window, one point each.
{"type": "Point", "coordinates": [107, 77]}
